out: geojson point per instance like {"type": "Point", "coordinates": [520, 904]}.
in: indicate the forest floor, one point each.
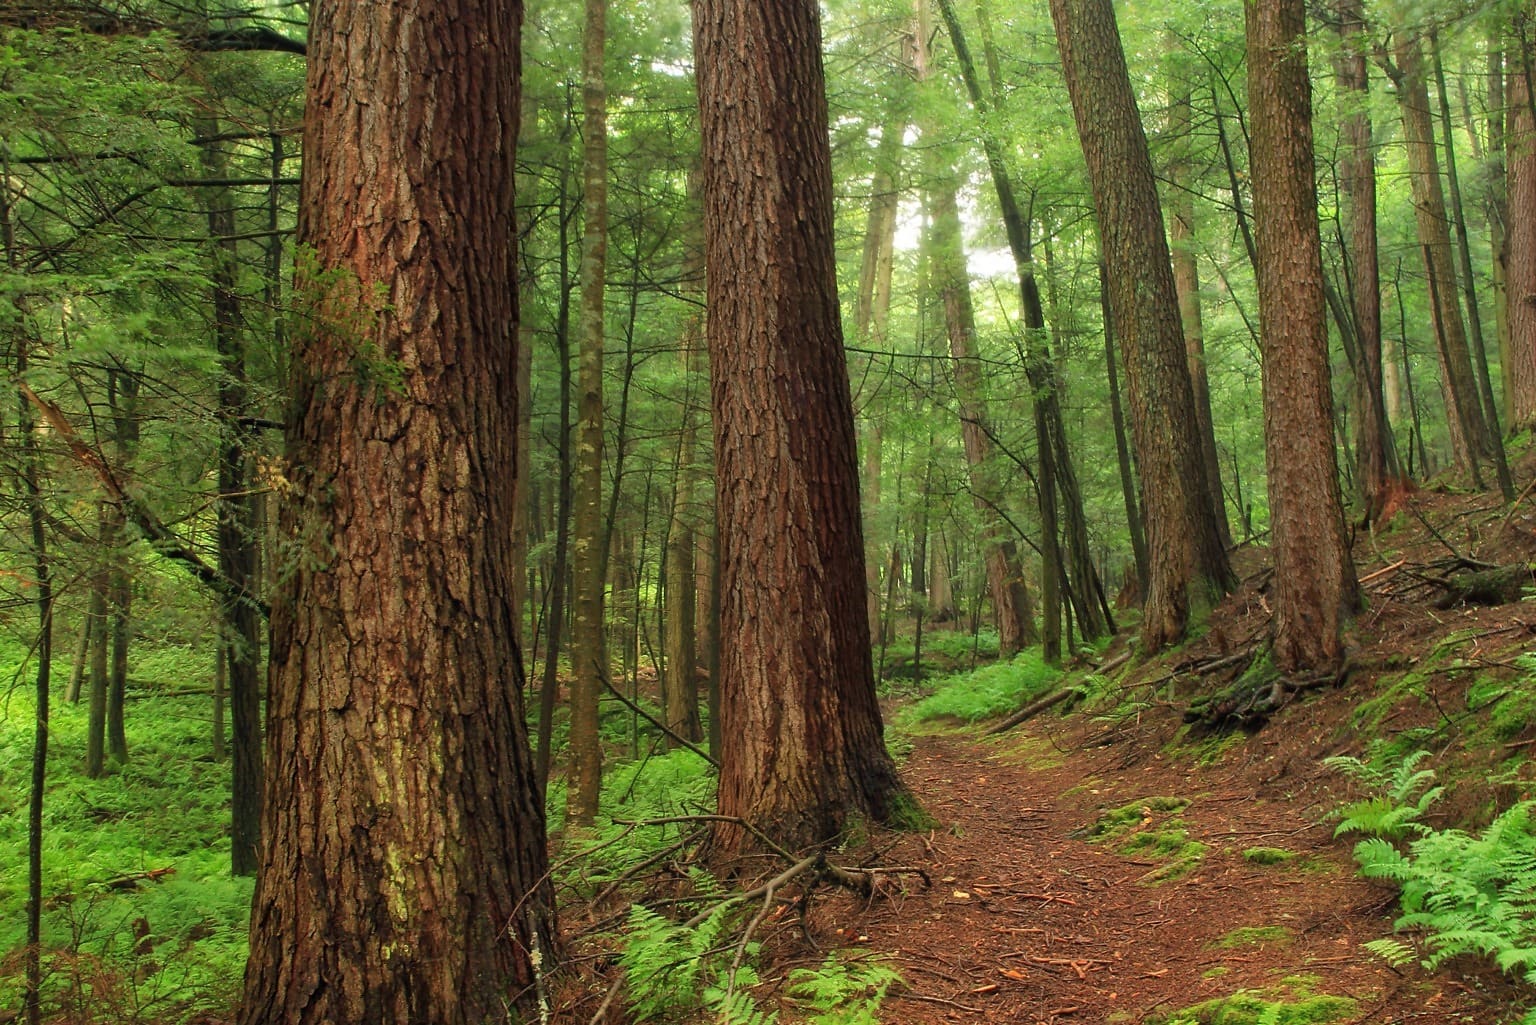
{"type": "Point", "coordinates": [1126, 868]}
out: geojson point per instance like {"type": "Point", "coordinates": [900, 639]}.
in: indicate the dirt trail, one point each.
{"type": "Point", "coordinates": [1028, 921]}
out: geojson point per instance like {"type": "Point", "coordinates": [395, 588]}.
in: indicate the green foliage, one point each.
{"type": "Point", "coordinates": [1150, 828]}
{"type": "Point", "coordinates": [1253, 936]}
{"type": "Point", "coordinates": [987, 692]}
{"type": "Point", "coordinates": [667, 965]}
{"type": "Point", "coordinates": [1405, 795]}
{"type": "Point", "coordinates": [672, 970]}
{"type": "Point", "coordinates": [845, 989]}
{"type": "Point", "coordinates": [1467, 894]}
{"type": "Point", "coordinates": [677, 783]}
{"type": "Point", "coordinates": [118, 947]}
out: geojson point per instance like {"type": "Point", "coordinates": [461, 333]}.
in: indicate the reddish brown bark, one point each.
{"type": "Point", "coordinates": [403, 862]}
{"type": "Point", "coordinates": [1314, 590]}
{"type": "Point", "coordinates": [1187, 562]}
{"type": "Point", "coordinates": [1520, 245]}
{"type": "Point", "coordinates": [801, 743]}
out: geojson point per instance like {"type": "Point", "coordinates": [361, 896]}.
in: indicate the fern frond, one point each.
{"type": "Point", "coordinates": [1394, 952]}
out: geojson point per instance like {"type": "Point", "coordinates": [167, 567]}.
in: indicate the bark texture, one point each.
{"type": "Point", "coordinates": [801, 735]}
{"type": "Point", "coordinates": [403, 864]}
{"type": "Point", "coordinates": [1314, 591]}
{"type": "Point", "coordinates": [1186, 559]}
{"type": "Point", "coordinates": [1520, 263]}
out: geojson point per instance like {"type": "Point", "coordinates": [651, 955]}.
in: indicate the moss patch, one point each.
{"type": "Point", "coordinates": [1254, 936]}
{"type": "Point", "coordinates": [1248, 1008]}
{"type": "Point", "coordinates": [1268, 855]}
{"type": "Point", "coordinates": [1150, 829]}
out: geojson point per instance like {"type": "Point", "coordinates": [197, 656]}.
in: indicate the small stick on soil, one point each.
{"type": "Point", "coordinates": [1399, 564]}
{"type": "Point", "coordinates": [937, 1000]}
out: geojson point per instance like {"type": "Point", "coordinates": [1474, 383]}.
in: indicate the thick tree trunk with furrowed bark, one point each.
{"type": "Point", "coordinates": [801, 745]}
{"type": "Point", "coordinates": [403, 864]}
{"type": "Point", "coordinates": [1314, 592]}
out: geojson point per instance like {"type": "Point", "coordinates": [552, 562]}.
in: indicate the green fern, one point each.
{"type": "Point", "coordinates": [663, 961]}
{"type": "Point", "coordinates": [1466, 894]}
{"type": "Point", "coordinates": [844, 989]}
{"type": "Point", "coordinates": [1405, 795]}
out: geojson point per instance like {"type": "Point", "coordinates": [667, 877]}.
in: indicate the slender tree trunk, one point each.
{"type": "Point", "coordinates": [682, 660]}
{"type": "Point", "coordinates": [122, 400]}
{"type": "Point", "coordinates": [79, 666]}
{"type": "Point", "coordinates": [403, 871]}
{"type": "Point", "coordinates": [1458, 383]}
{"type": "Point", "coordinates": [1314, 592]}
{"type": "Point", "coordinates": [871, 313]}
{"type": "Point", "coordinates": [1005, 575]}
{"type": "Point", "coordinates": [237, 528]}
{"type": "Point", "coordinates": [801, 736]}
{"type": "Point", "coordinates": [1134, 525]}
{"type": "Point", "coordinates": [1490, 407]}
{"type": "Point", "coordinates": [1376, 469]}
{"type": "Point", "coordinates": [109, 529]}
{"type": "Point", "coordinates": [1186, 285]}
{"type": "Point", "coordinates": [549, 686]}
{"type": "Point", "coordinates": [1187, 561]}
{"type": "Point", "coordinates": [589, 657]}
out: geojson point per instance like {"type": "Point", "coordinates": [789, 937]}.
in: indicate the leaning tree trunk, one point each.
{"type": "Point", "coordinates": [1314, 591]}
{"type": "Point", "coordinates": [801, 735]}
{"type": "Point", "coordinates": [1187, 561]}
{"type": "Point", "coordinates": [403, 869]}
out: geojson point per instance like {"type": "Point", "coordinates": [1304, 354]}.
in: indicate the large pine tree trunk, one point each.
{"type": "Point", "coordinates": [403, 862]}
{"type": "Point", "coordinates": [1314, 591]}
{"type": "Point", "coordinates": [1520, 246]}
{"type": "Point", "coordinates": [801, 735]}
{"type": "Point", "coordinates": [1187, 561]}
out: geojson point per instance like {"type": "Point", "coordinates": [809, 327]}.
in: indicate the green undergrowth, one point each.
{"type": "Point", "coordinates": [1268, 855]}
{"type": "Point", "coordinates": [1461, 893]}
{"type": "Point", "coordinates": [985, 693]}
{"type": "Point", "coordinates": [1150, 830]}
{"type": "Point", "coordinates": [662, 786]}
{"type": "Point", "coordinates": [142, 920]}
{"type": "Point", "coordinates": [944, 652]}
